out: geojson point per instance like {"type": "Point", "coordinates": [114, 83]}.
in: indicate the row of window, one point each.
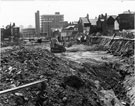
{"type": "Point", "coordinates": [28, 35]}
{"type": "Point", "coordinates": [51, 19]}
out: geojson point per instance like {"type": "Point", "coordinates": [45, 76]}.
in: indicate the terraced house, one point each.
{"type": "Point", "coordinates": [84, 24]}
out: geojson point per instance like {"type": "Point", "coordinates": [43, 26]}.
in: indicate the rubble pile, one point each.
{"type": "Point", "coordinates": [129, 81]}
{"type": "Point", "coordinates": [67, 83]}
{"type": "Point", "coordinates": [109, 75]}
{"type": "Point", "coordinates": [124, 49]}
{"type": "Point", "coordinates": [127, 34]}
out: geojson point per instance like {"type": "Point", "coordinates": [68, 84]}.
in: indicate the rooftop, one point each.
{"type": "Point", "coordinates": [69, 27]}
{"type": "Point", "coordinates": [84, 19]}
{"type": "Point", "coordinates": [93, 21]}
{"type": "Point", "coordinates": [113, 16]}
{"type": "Point", "coordinates": [128, 12]}
{"type": "Point", "coordinates": [56, 14]}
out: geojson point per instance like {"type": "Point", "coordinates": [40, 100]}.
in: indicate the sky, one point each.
{"type": "Point", "coordinates": [22, 12]}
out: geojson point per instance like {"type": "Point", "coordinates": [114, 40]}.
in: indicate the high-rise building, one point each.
{"type": "Point", "coordinates": [49, 22]}
{"type": "Point", "coordinates": [37, 23]}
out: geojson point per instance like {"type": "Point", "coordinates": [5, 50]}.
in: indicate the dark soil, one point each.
{"type": "Point", "coordinates": [67, 83]}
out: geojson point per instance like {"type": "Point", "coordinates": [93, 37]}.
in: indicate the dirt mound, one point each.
{"type": "Point", "coordinates": [67, 83]}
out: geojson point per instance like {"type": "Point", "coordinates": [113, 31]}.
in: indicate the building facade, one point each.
{"type": "Point", "coordinates": [10, 35]}
{"type": "Point", "coordinates": [37, 23]}
{"type": "Point", "coordinates": [93, 27]}
{"type": "Point", "coordinates": [15, 34]}
{"type": "Point", "coordinates": [126, 21]}
{"type": "Point", "coordinates": [111, 23]}
{"type": "Point", "coordinates": [49, 22]}
{"type": "Point", "coordinates": [28, 33]}
{"type": "Point", "coordinates": [107, 23]}
{"type": "Point", "coordinates": [102, 23]}
{"type": "Point", "coordinates": [116, 25]}
{"type": "Point", "coordinates": [84, 25]}
{"type": "Point", "coordinates": [2, 34]}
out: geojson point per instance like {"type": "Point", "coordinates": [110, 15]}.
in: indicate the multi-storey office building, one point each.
{"type": "Point", "coordinates": [49, 22]}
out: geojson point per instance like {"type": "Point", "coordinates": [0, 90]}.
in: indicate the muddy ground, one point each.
{"type": "Point", "coordinates": [81, 76]}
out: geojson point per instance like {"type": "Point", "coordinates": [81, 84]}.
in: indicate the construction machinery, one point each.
{"type": "Point", "coordinates": [56, 46]}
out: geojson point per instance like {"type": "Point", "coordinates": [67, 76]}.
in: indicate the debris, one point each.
{"type": "Point", "coordinates": [67, 83]}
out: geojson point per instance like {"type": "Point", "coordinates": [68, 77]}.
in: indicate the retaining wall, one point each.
{"type": "Point", "coordinates": [116, 46]}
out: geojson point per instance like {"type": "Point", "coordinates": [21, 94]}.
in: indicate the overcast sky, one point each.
{"type": "Point", "coordinates": [22, 12]}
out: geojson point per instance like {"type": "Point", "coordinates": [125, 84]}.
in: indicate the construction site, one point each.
{"type": "Point", "coordinates": [97, 72]}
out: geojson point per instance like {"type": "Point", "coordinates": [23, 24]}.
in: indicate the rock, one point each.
{"type": "Point", "coordinates": [109, 98]}
{"type": "Point", "coordinates": [64, 99]}
{"type": "Point", "coordinates": [13, 86]}
{"type": "Point", "coordinates": [20, 100]}
{"type": "Point", "coordinates": [18, 94]}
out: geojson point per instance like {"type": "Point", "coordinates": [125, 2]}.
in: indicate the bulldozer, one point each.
{"type": "Point", "coordinates": [56, 46]}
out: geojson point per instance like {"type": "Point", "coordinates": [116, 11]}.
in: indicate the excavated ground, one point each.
{"type": "Point", "coordinates": [85, 78]}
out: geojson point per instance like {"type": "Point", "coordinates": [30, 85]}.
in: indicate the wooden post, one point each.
{"type": "Point", "coordinates": [21, 87]}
